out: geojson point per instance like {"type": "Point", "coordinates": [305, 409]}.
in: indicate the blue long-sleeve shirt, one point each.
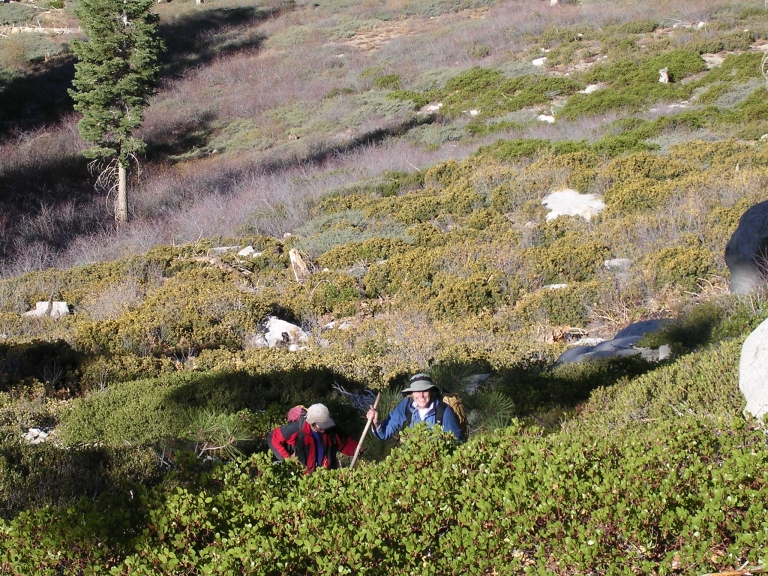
{"type": "Point", "coordinates": [398, 418]}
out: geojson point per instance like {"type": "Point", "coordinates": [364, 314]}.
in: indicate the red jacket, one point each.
{"type": "Point", "coordinates": [296, 439]}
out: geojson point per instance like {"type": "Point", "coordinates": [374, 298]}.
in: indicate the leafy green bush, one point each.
{"type": "Point", "coordinates": [489, 92]}
{"type": "Point", "coordinates": [565, 306]}
{"type": "Point", "coordinates": [32, 477]}
{"type": "Point", "coordinates": [387, 82]}
{"type": "Point", "coordinates": [681, 265]}
{"type": "Point", "coordinates": [639, 26]}
{"type": "Point", "coordinates": [18, 14]}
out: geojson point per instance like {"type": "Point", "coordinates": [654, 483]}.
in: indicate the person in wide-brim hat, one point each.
{"type": "Point", "coordinates": [422, 403]}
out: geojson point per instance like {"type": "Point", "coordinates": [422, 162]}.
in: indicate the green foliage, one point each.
{"type": "Point", "coordinates": [371, 250]}
{"type": "Point", "coordinates": [387, 82]}
{"type": "Point", "coordinates": [419, 100]}
{"type": "Point", "coordinates": [566, 306]}
{"type": "Point", "coordinates": [684, 265]}
{"type": "Point", "coordinates": [639, 26]}
{"type": "Point", "coordinates": [563, 253]}
{"type": "Point", "coordinates": [217, 435]}
{"type": "Point", "coordinates": [488, 91]}
{"type": "Point", "coordinates": [335, 293]}
{"type": "Point", "coordinates": [32, 477]}
{"type": "Point", "coordinates": [515, 500]}
{"type": "Point", "coordinates": [337, 230]}
{"type": "Point", "coordinates": [18, 14]}
{"type": "Point", "coordinates": [115, 74]}
{"type": "Point", "coordinates": [634, 86]}
{"type": "Point", "coordinates": [145, 411]}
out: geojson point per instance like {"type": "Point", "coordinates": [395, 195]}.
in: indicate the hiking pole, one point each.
{"type": "Point", "coordinates": [365, 431]}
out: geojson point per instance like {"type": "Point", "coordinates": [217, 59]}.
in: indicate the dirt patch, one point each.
{"type": "Point", "coordinates": [374, 38]}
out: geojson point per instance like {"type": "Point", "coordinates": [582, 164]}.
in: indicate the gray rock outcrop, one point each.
{"type": "Point", "coordinates": [623, 344]}
{"type": "Point", "coordinates": [753, 371]}
{"type": "Point", "coordinates": [746, 253]}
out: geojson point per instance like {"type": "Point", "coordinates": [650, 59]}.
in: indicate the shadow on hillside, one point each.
{"type": "Point", "coordinates": [45, 204]}
{"type": "Point", "coordinates": [190, 135]}
{"type": "Point", "coordinates": [36, 476]}
{"type": "Point", "coordinates": [196, 39]}
{"type": "Point", "coordinates": [55, 364]}
{"type": "Point", "coordinates": [323, 153]}
{"type": "Point", "coordinates": [36, 98]}
{"type": "Point", "coordinates": [230, 392]}
{"type": "Point", "coordinates": [542, 392]}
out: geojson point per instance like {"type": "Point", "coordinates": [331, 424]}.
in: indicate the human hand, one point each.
{"type": "Point", "coordinates": [373, 416]}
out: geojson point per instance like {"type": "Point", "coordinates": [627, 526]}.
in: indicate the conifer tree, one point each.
{"type": "Point", "coordinates": [115, 75]}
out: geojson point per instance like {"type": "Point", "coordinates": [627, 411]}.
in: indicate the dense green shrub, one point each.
{"type": "Point", "coordinates": [387, 82]}
{"type": "Point", "coordinates": [32, 477]}
{"type": "Point", "coordinates": [684, 265]}
{"type": "Point", "coordinates": [54, 363]}
{"type": "Point", "coordinates": [489, 92]}
{"type": "Point", "coordinates": [564, 306]}
{"type": "Point", "coordinates": [335, 293]}
{"type": "Point", "coordinates": [371, 250]}
{"type": "Point", "coordinates": [518, 502]}
{"type": "Point", "coordinates": [636, 194]}
{"type": "Point", "coordinates": [193, 310]}
{"type": "Point", "coordinates": [145, 411]}
{"type": "Point", "coordinates": [476, 294]}
{"type": "Point", "coordinates": [639, 26]}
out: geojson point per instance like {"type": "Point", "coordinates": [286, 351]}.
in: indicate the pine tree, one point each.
{"type": "Point", "coordinates": [115, 75]}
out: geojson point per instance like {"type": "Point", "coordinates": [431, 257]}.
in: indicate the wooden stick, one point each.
{"type": "Point", "coordinates": [365, 431]}
{"type": "Point", "coordinates": [743, 571]}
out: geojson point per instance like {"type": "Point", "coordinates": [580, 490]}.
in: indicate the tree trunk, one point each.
{"type": "Point", "coordinates": [121, 206]}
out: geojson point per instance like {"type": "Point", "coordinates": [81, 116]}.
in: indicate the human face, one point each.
{"type": "Point", "coordinates": [317, 428]}
{"type": "Point", "coordinates": [422, 399]}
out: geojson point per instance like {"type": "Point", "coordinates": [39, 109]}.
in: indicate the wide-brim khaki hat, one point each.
{"type": "Point", "coordinates": [420, 383]}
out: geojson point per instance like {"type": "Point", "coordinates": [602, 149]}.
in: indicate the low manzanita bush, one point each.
{"type": "Point", "coordinates": [680, 496]}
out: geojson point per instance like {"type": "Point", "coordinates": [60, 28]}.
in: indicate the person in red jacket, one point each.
{"type": "Point", "coordinates": [313, 439]}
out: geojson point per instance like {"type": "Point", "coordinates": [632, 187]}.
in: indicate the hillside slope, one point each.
{"type": "Point", "coordinates": [406, 153]}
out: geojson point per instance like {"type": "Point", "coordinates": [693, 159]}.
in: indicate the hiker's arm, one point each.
{"type": "Point", "coordinates": [281, 443]}
{"type": "Point", "coordinates": [346, 444]}
{"type": "Point", "coordinates": [391, 423]}
{"type": "Point", "coordinates": [451, 423]}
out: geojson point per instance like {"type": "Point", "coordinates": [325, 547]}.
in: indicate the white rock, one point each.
{"type": "Point", "coordinates": [700, 25]}
{"type": "Point", "coordinates": [280, 331]}
{"type": "Point", "coordinates": [555, 286]}
{"type": "Point", "coordinates": [618, 264]}
{"type": "Point", "coordinates": [591, 88]}
{"type": "Point", "coordinates": [570, 203]}
{"type": "Point", "coordinates": [539, 61]}
{"type": "Point", "coordinates": [219, 250]}
{"type": "Point", "coordinates": [753, 371]}
{"type": "Point", "coordinates": [247, 251]}
{"type": "Point", "coordinates": [474, 112]}
{"type": "Point", "coordinates": [58, 309]}
{"type": "Point", "coordinates": [545, 118]}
